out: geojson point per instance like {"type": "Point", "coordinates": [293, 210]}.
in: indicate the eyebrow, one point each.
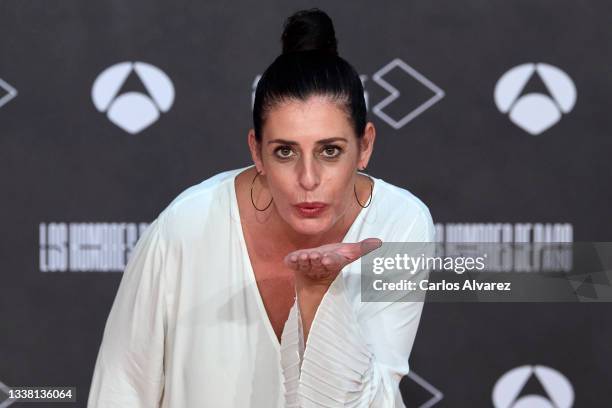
{"type": "Point", "coordinates": [322, 141]}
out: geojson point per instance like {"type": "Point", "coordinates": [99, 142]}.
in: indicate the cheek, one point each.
{"type": "Point", "coordinates": [341, 185]}
{"type": "Point", "coordinates": [282, 189]}
{"type": "Point", "coordinates": [341, 195]}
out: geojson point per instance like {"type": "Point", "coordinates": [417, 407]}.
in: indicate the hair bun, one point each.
{"type": "Point", "coordinates": [308, 30]}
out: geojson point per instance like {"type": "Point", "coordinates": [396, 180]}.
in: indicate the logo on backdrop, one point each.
{"type": "Point", "coordinates": [107, 246]}
{"type": "Point", "coordinates": [422, 95]}
{"type": "Point", "coordinates": [535, 110]}
{"type": "Point", "coordinates": [4, 394]}
{"type": "Point", "coordinates": [133, 110]}
{"type": "Point", "coordinates": [533, 386]}
{"type": "Point", "coordinates": [7, 92]}
{"type": "Point", "coordinates": [399, 122]}
{"type": "Point", "coordinates": [422, 394]}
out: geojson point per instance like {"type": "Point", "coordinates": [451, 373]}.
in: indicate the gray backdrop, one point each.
{"type": "Point", "coordinates": [539, 155]}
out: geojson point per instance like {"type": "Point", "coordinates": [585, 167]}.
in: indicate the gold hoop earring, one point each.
{"type": "Point", "coordinates": [252, 201]}
{"type": "Point", "coordinates": [369, 198]}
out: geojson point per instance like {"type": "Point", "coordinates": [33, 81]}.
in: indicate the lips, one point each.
{"type": "Point", "coordinates": [310, 209]}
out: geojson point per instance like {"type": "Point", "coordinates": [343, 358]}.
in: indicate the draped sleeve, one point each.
{"type": "Point", "coordinates": [356, 353]}
{"type": "Point", "coordinates": [129, 369]}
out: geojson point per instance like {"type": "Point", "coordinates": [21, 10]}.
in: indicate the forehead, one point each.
{"type": "Point", "coordinates": [317, 117]}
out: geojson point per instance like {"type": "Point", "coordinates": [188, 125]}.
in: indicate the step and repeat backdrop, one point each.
{"type": "Point", "coordinates": [496, 114]}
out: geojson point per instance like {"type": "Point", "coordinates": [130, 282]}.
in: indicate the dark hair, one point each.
{"type": "Point", "coordinates": [309, 65]}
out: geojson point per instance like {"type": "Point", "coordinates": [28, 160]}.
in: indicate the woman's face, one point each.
{"type": "Point", "coordinates": [309, 156]}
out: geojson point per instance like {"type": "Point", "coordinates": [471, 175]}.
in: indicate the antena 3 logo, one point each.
{"type": "Point", "coordinates": [132, 111]}
{"type": "Point", "coordinates": [380, 78]}
{"type": "Point", "coordinates": [535, 112]}
{"type": "Point", "coordinates": [508, 389]}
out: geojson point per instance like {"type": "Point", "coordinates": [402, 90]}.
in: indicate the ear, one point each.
{"type": "Point", "coordinates": [255, 148]}
{"type": "Point", "coordinates": [367, 145]}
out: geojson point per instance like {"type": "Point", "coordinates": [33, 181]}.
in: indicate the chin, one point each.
{"type": "Point", "coordinates": [310, 226]}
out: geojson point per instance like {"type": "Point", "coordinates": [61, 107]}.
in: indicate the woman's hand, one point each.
{"type": "Point", "coordinates": [321, 265]}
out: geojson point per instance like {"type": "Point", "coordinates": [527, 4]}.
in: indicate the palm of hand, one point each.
{"type": "Point", "coordinates": [323, 263]}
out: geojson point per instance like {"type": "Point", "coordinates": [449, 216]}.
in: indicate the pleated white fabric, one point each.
{"type": "Point", "coordinates": [188, 327]}
{"type": "Point", "coordinates": [337, 367]}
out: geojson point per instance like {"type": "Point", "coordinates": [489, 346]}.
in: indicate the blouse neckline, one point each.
{"type": "Point", "coordinates": [235, 213]}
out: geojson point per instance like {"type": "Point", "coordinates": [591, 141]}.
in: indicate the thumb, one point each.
{"type": "Point", "coordinates": [369, 244]}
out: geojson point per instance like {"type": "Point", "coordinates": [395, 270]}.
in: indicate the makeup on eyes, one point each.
{"type": "Point", "coordinates": [339, 150]}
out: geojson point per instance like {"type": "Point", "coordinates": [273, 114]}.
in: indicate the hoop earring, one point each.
{"type": "Point", "coordinates": [252, 201]}
{"type": "Point", "coordinates": [369, 198]}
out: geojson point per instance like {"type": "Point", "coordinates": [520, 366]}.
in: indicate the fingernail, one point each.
{"type": "Point", "coordinates": [371, 244]}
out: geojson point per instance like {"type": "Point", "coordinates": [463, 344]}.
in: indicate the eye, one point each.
{"type": "Point", "coordinates": [283, 152]}
{"type": "Point", "coordinates": [331, 151]}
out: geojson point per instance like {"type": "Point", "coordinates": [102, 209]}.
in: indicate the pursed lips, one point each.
{"type": "Point", "coordinates": [310, 209]}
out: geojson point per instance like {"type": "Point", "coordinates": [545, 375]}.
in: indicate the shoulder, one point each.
{"type": "Point", "coordinates": [405, 214]}
{"type": "Point", "coordinates": [190, 209]}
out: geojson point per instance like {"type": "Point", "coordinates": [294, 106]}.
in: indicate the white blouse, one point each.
{"type": "Point", "coordinates": [188, 327]}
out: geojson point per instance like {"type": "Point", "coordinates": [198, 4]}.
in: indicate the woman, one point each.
{"type": "Point", "coordinates": [244, 292]}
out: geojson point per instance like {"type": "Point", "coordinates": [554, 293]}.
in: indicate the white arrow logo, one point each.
{"type": "Point", "coordinates": [10, 92]}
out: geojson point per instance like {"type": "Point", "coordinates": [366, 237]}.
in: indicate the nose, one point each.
{"type": "Point", "coordinates": [309, 177]}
